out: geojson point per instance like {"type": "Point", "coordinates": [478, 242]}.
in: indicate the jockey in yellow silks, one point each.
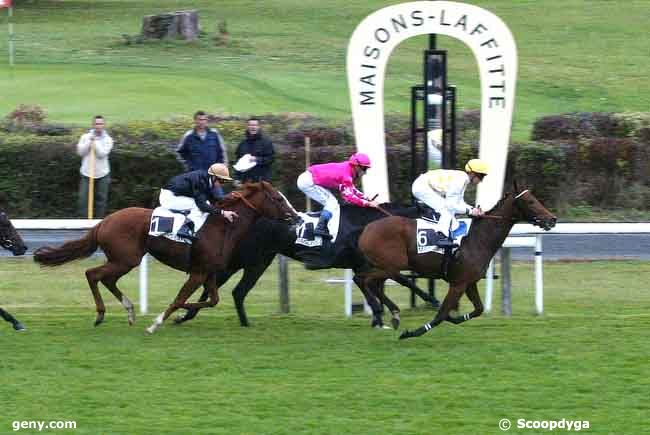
{"type": "Point", "coordinates": [443, 190]}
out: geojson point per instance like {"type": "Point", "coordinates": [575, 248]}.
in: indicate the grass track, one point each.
{"type": "Point", "coordinates": [314, 371]}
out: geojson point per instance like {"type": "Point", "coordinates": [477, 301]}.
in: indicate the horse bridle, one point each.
{"type": "Point", "coordinates": [519, 195]}
{"type": "Point", "coordinates": [238, 195]}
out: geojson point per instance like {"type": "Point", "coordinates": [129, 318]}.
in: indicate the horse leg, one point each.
{"type": "Point", "coordinates": [210, 286]}
{"type": "Point", "coordinates": [451, 301]}
{"type": "Point", "coordinates": [190, 286]}
{"type": "Point", "coordinates": [375, 305]}
{"type": "Point", "coordinates": [473, 295]}
{"type": "Point", "coordinates": [112, 273]}
{"type": "Point", "coordinates": [404, 281]}
{"type": "Point", "coordinates": [93, 276]}
{"type": "Point", "coordinates": [377, 287]}
{"type": "Point", "coordinates": [246, 284]}
{"type": "Point", "coordinates": [191, 313]}
{"type": "Point", "coordinates": [11, 319]}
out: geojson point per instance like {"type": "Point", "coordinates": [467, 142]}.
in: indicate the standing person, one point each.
{"type": "Point", "coordinates": [443, 190]}
{"type": "Point", "coordinates": [192, 191]}
{"type": "Point", "coordinates": [201, 147]}
{"type": "Point", "coordinates": [257, 150]}
{"type": "Point", "coordinates": [94, 148]}
{"type": "Point", "coordinates": [315, 181]}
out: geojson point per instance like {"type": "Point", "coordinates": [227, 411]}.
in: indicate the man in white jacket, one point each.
{"type": "Point", "coordinates": [94, 148]}
{"type": "Point", "coordinates": [443, 190]}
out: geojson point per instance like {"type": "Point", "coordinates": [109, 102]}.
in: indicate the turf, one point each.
{"type": "Point", "coordinates": [289, 56]}
{"type": "Point", "coordinates": [315, 372]}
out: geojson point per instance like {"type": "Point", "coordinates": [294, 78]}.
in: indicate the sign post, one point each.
{"type": "Point", "coordinates": [10, 26]}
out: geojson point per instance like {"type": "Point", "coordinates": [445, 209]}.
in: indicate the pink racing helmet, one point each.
{"type": "Point", "coordinates": [360, 159]}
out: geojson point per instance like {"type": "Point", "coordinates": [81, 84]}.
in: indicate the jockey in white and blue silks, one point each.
{"type": "Point", "coordinates": [443, 190]}
{"type": "Point", "coordinates": [317, 179]}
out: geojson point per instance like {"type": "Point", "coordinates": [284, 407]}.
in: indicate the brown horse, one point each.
{"type": "Point", "coordinates": [390, 246]}
{"type": "Point", "coordinates": [123, 236]}
{"type": "Point", "coordinates": [11, 241]}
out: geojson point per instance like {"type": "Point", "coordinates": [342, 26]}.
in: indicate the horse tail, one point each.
{"type": "Point", "coordinates": [69, 251]}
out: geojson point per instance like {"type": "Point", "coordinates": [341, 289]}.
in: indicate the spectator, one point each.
{"type": "Point", "coordinates": [254, 155]}
{"type": "Point", "coordinates": [94, 148]}
{"type": "Point", "coordinates": [201, 147]}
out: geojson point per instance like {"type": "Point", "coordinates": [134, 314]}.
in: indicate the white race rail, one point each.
{"type": "Point", "coordinates": [518, 230]}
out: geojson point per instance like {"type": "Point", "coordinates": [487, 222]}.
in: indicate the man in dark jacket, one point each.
{"type": "Point", "coordinates": [257, 149]}
{"type": "Point", "coordinates": [201, 147]}
{"type": "Point", "coordinates": [193, 191]}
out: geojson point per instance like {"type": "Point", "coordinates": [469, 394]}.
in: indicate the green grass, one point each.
{"type": "Point", "coordinates": [288, 55]}
{"type": "Point", "coordinates": [316, 372]}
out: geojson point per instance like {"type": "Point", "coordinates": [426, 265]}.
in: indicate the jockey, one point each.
{"type": "Point", "coordinates": [193, 191]}
{"type": "Point", "coordinates": [443, 190]}
{"type": "Point", "coordinates": [315, 181]}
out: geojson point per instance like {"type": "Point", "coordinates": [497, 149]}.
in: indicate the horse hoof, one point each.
{"type": "Point", "coordinates": [395, 322]}
{"type": "Point", "coordinates": [150, 330]}
{"type": "Point", "coordinates": [131, 319]}
{"type": "Point", "coordinates": [19, 327]}
{"type": "Point", "coordinates": [405, 334]}
{"type": "Point", "coordinates": [178, 320]}
{"type": "Point", "coordinates": [99, 319]}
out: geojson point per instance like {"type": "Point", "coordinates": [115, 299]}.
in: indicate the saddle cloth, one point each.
{"type": "Point", "coordinates": [305, 232]}
{"type": "Point", "coordinates": [426, 235]}
{"type": "Point", "coordinates": [166, 223]}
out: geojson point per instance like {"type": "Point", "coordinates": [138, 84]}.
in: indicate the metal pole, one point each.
{"type": "Point", "coordinates": [307, 164]}
{"type": "Point", "coordinates": [506, 302]}
{"type": "Point", "coordinates": [91, 180]}
{"type": "Point", "coordinates": [347, 289]}
{"type": "Point", "coordinates": [144, 268]}
{"type": "Point", "coordinates": [539, 276]}
{"type": "Point", "coordinates": [489, 286]}
{"type": "Point", "coordinates": [284, 284]}
{"type": "Point", "coordinates": [11, 36]}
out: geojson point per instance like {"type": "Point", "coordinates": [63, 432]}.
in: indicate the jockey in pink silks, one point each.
{"type": "Point", "coordinates": [315, 181]}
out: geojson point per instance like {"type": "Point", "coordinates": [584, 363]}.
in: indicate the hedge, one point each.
{"type": "Point", "coordinates": [569, 163]}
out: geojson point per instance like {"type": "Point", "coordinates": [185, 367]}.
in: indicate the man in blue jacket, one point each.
{"type": "Point", "coordinates": [201, 147]}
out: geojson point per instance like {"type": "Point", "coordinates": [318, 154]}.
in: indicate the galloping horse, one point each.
{"type": "Point", "coordinates": [11, 241]}
{"type": "Point", "coordinates": [123, 236]}
{"type": "Point", "coordinates": [389, 244]}
{"type": "Point", "coordinates": [258, 248]}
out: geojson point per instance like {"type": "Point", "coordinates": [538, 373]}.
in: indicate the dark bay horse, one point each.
{"type": "Point", "coordinates": [11, 241]}
{"type": "Point", "coordinates": [123, 236]}
{"type": "Point", "coordinates": [259, 247]}
{"type": "Point", "coordinates": [389, 244]}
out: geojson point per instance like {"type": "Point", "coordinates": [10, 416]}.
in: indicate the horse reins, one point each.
{"type": "Point", "coordinates": [380, 208]}
{"type": "Point", "coordinates": [485, 216]}
{"type": "Point", "coordinates": [247, 202]}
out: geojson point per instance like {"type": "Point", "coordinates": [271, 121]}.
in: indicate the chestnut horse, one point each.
{"type": "Point", "coordinates": [389, 244]}
{"type": "Point", "coordinates": [124, 238]}
{"type": "Point", "coordinates": [11, 241]}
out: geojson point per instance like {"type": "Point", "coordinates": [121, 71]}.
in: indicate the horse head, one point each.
{"type": "Point", "coordinates": [9, 237]}
{"type": "Point", "coordinates": [267, 201]}
{"type": "Point", "coordinates": [529, 209]}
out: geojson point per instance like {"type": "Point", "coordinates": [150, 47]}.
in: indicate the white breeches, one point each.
{"type": "Point", "coordinates": [423, 192]}
{"type": "Point", "coordinates": [318, 193]}
{"type": "Point", "coordinates": [172, 202]}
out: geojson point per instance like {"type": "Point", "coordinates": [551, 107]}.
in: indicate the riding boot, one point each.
{"type": "Point", "coordinates": [187, 231]}
{"type": "Point", "coordinates": [321, 227]}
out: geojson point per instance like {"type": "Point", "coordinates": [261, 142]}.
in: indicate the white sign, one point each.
{"type": "Point", "coordinates": [496, 54]}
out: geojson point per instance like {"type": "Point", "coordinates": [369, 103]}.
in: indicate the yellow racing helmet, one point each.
{"type": "Point", "coordinates": [477, 166]}
{"type": "Point", "coordinates": [220, 171]}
